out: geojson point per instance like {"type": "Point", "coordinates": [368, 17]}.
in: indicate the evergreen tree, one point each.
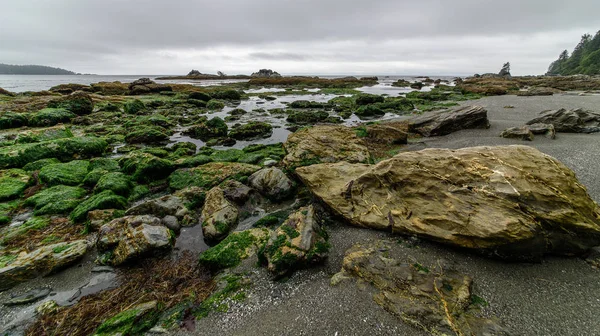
{"type": "Point", "coordinates": [585, 58]}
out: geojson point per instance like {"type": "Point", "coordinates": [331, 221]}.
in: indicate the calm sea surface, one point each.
{"type": "Point", "coordinates": [21, 83]}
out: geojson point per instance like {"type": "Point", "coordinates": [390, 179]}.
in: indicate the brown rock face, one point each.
{"type": "Point", "coordinates": [445, 123]}
{"type": "Point", "coordinates": [510, 201]}
{"type": "Point", "coordinates": [321, 144]}
{"type": "Point", "coordinates": [432, 298]}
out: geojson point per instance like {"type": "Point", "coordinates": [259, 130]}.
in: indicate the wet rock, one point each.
{"type": "Point", "coordinates": [522, 133]}
{"type": "Point", "coordinates": [171, 222]}
{"type": "Point", "coordinates": [547, 130]}
{"type": "Point", "coordinates": [433, 298]}
{"type": "Point", "coordinates": [47, 307]}
{"type": "Point", "coordinates": [104, 200]}
{"type": "Point", "coordinates": [322, 144]}
{"type": "Point", "coordinates": [28, 297]}
{"type": "Point", "coordinates": [236, 247]}
{"type": "Point", "coordinates": [70, 173]}
{"type": "Point", "coordinates": [236, 191]}
{"type": "Point", "coordinates": [209, 129]}
{"type": "Point", "coordinates": [386, 134]}
{"type": "Point", "coordinates": [145, 167]}
{"type": "Point", "coordinates": [508, 201]}
{"type": "Point", "coordinates": [131, 237]}
{"type": "Point", "coordinates": [169, 205]}
{"type": "Point", "coordinates": [570, 121]}
{"type": "Point", "coordinates": [219, 216]}
{"type": "Point", "coordinates": [133, 321]}
{"type": "Point", "coordinates": [251, 130]}
{"type": "Point", "coordinates": [45, 260]}
{"type": "Point", "coordinates": [272, 183]}
{"type": "Point", "coordinates": [444, 123]}
{"type": "Point", "coordinates": [299, 241]}
{"type": "Point", "coordinates": [270, 163]}
{"type": "Point", "coordinates": [97, 218]}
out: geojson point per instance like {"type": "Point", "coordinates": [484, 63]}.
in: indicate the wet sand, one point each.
{"type": "Point", "coordinates": [558, 296]}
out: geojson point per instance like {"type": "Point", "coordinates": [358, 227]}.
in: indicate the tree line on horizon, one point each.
{"type": "Point", "coordinates": [9, 69]}
{"type": "Point", "coordinates": [584, 60]}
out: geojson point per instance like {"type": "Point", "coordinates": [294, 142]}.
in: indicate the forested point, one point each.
{"type": "Point", "coordinates": [8, 69]}
{"type": "Point", "coordinates": [584, 60]}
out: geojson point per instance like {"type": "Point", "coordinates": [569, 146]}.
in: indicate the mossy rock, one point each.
{"type": "Point", "coordinates": [237, 112]}
{"type": "Point", "coordinates": [228, 155]}
{"type": "Point", "coordinates": [48, 134]}
{"type": "Point", "coordinates": [254, 129]}
{"type": "Point", "coordinates": [107, 164]}
{"type": "Point", "coordinates": [369, 111]}
{"type": "Point", "coordinates": [13, 120]}
{"type": "Point", "coordinates": [307, 117]}
{"type": "Point", "coordinates": [210, 129]}
{"type": "Point", "coordinates": [134, 321]}
{"type": "Point", "coordinates": [61, 149]}
{"type": "Point", "coordinates": [135, 106]}
{"type": "Point", "coordinates": [215, 105]}
{"type": "Point", "coordinates": [51, 117]}
{"type": "Point", "coordinates": [306, 104]}
{"type": "Point", "coordinates": [104, 200]}
{"type": "Point", "coordinates": [138, 192]}
{"type": "Point", "coordinates": [117, 182]}
{"type": "Point", "coordinates": [6, 210]}
{"type": "Point", "coordinates": [366, 99]}
{"type": "Point", "coordinates": [144, 167]}
{"type": "Point", "coordinates": [71, 173]}
{"type": "Point", "coordinates": [227, 95]}
{"type": "Point", "coordinates": [199, 96]}
{"type": "Point", "coordinates": [92, 177]}
{"type": "Point", "coordinates": [79, 103]}
{"type": "Point", "coordinates": [146, 134]}
{"type": "Point", "coordinates": [39, 164]}
{"type": "Point", "coordinates": [210, 174]}
{"type": "Point", "coordinates": [12, 183]}
{"type": "Point", "coordinates": [233, 249]}
{"type": "Point", "coordinates": [193, 161]}
{"type": "Point", "coordinates": [197, 103]}
{"type": "Point", "coordinates": [59, 199]}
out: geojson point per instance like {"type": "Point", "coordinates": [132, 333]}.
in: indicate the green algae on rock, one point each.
{"type": "Point", "coordinates": [133, 321]}
{"type": "Point", "coordinates": [70, 173]}
{"type": "Point", "coordinates": [144, 167]}
{"type": "Point", "coordinates": [51, 117]}
{"type": "Point", "coordinates": [117, 182]}
{"type": "Point", "coordinates": [253, 129]}
{"type": "Point", "coordinates": [105, 200]}
{"type": "Point", "coordinates": [12, 183]}
{"type": "Point", "coordinates": [62, 149]}
{"type": "Point", "coordinates": [235, 248]}
{"type": "Point", "coordinates": [210, 174]}
{"type": "Point", "coordinates": [219, 215]}
{"type": "Point", "coordinates": [79, 103]}
{"type": "Point", "coordinates": [59, 199]}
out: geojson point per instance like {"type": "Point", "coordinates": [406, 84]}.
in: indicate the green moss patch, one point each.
{"type": "Point", "coordinates": [13, 233]}
{"type": "Point", "coordinates": [117, 182]}
{"type": "Point", "coordinates": [71, 173]}
{"type": "Point", "coordinates": [59, 199]}
{"type": "Point", "coordinates": [12, 183]}
{"type": "Point", "coordinates": [104, 200]}
{"type": "Point", "coordinates": [51, 117]}
{"type": "Point", "coordinates": [144, 167]}
{"type": "Point", "coordinates": [210, 174]}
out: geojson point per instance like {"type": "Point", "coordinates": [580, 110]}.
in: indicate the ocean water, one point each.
{"type": "Point", "coordinates": [22, 83]}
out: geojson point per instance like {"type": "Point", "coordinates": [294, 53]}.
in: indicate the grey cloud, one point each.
{"type": "Point", "coordinates": [110, 35]}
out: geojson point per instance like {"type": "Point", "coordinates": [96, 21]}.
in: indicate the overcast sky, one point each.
{"type": "Point", "coordinates": [293, 36]}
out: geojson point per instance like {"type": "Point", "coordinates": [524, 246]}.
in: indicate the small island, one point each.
{"type": "Point", "coordinates": [10, 69]}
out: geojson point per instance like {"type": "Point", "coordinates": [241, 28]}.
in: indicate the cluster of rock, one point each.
{"type": "Point", "coordinates": [552, 121]}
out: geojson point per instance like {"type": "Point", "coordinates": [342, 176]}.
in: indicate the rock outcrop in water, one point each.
{"type": "Point", "coordinates": [512, 201]}
{"type": "Point", "coordinates": [266, 73]}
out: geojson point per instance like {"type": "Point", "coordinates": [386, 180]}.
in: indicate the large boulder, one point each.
{"type": "Point", "coordinates": [272, 183]}
{"type": "Point", "coordinates": [324, 144]}
{"type": "Point", "coordinates": [444, 123]}
{"type": "Point", "coordinates": [570, 121]}
{"type": "Point", "coordinates": [79, 103]}
{"type": "Point", "coordinates": [219, 215]}
{"type": "Point", "coordinates": [45, 260]}
{"type": "Point", "coordinates": [128, 238]}
{"type": "Point", "coordinates": [508, 201]}
{"type": "Point", "coordinates": [435, 298]}
{"type": "Point", "coordinates": [297, 242]}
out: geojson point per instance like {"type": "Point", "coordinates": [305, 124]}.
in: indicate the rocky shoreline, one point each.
{"type": "Point", "coordinates": [102, 171]}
